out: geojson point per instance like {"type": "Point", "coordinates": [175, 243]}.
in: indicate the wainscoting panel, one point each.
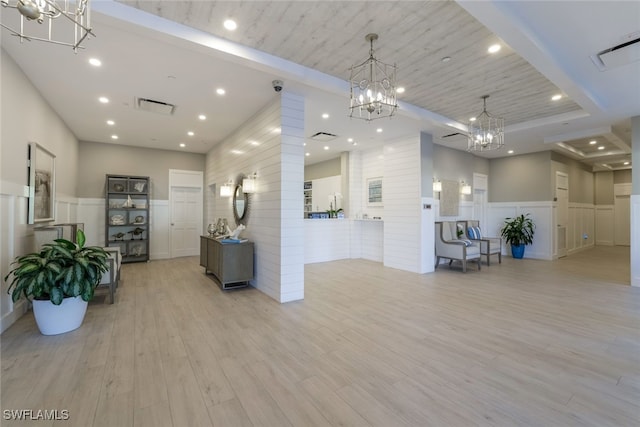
{"type": "Point", "coordinates": [542, 215]}
{"type": "Point", "coordinates": [604, 225]}
{"type": "Point", "coordinates": [581, 227]}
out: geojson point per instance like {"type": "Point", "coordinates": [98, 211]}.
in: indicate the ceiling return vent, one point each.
{"type": "Point", "coordinates": [323, 136]}
{"type": "Point", "coordinates": [453, 137]}
{"type": "Point", "coordinates": [153, 106]}
{"type": "Point", "coordinates": [621, 54]}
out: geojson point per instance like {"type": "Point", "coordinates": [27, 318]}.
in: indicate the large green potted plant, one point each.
{"type": "Point", "coordinates": [59, 281]}
{"type": "Point", "coordinates": [518, 232]}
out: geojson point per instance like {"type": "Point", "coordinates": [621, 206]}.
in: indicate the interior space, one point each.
{"type": "Point", "coordinates": [308, 212]}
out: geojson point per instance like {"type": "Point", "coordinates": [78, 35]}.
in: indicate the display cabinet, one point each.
{"type": "Point", "coordinates": [127, 216]}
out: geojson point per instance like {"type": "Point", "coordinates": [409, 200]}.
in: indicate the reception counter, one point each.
{"type": "Point", "coordinates": [334, 239]}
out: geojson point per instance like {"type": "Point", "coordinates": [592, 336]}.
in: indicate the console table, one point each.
{"type": "Point", "coordinates": [230, 263]}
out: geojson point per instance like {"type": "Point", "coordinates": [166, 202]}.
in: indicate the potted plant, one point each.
{"type": "Point", "coordinates": [518, 232]}
{"type": "Point", "coordinates": [60, 281]}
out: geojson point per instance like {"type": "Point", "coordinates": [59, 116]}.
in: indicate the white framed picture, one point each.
{"type": "Point", "coordinates": [374, 191]}
{"type": "Point", "coordinates": [42, 184]}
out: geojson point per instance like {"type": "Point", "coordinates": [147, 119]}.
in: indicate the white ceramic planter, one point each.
{"type": "Point", "coordinates": [58, 319]}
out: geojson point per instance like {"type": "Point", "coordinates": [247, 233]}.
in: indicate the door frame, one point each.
{"type": "Point", "coordinates": [185, 179]}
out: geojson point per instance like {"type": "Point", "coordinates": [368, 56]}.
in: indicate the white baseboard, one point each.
{"type": "Point", "coordinates": [19, 309]}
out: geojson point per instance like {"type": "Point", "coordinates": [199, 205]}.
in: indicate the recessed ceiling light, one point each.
{"type": "Point", "coordinates": [601, 147]}
{"type": "Point", "coordinates": [446, 59]}
{"type": "Point", "coordinates": [494, 48]}
{"type": "Point", "coordinates": [593, 142]}
{"type": "Point", "coordinates": [103, 99]}
{"type": "Point", "coordinates": [472, 119]}
{"type": "Point", "coordinates": [95, 62]}
{"type": "Point", "coordinates": [190, 133]}
{"type": "Point", "coordinates": [379, 130]}
{"type": "Point", "coordinates": [326, 147]}
{"type": "Point", "coordinates": [510, 152]}
{"type": "Point", "coordinates": [111, 122]}
{"type": "Point", "coordinates": [625, 163]}
{"type": "Point", "coordinates": [400, 89]}
{"type": "Point", "coordinates": [349, 139]}
{"type": "Point", "coordinates": [114, 136]}
{"type": "Point", "coordinates": [325, 115]}
{"type": "Point", "coordinates": [556, 97]}
{"type": "Point", "coordinates": [182, 144]}
{"type": "Point", "coordinates": [307, 154]}
{"type": "Point", "coordinates": [220, 91]}
{"type": "Point", "coordinates": [202, 117]}
{"type": "Point", "coordinates": [230, 24]}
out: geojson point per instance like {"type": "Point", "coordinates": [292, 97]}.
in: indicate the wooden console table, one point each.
{"type": "Point", "coordinates": [230, 263]}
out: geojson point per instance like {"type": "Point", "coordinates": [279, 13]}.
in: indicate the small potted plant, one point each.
{"type": "Point", "coordinates": [59, 281]}
{"type": "Point", "coordinates": [518, 232]}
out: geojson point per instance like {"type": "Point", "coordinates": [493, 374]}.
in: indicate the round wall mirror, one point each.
{"type": "Point", "coordinates": [240, 204]}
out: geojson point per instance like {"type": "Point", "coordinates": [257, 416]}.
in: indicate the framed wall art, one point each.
{"type": "Point", "coordinates": [374, 191]}
{"type": "Point", "coordinates": [42, 184]}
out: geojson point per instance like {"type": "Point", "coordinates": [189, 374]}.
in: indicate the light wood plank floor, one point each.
{"type": "Point", "coordinates": [521, 343]}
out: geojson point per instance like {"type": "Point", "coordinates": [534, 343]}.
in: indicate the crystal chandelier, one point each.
{"type": "Point", "coordinates": [486, 132]}
{"type": "Point", "coordinates": [373, 87]}
{"type": "Point", "coordinates": [72, 28]}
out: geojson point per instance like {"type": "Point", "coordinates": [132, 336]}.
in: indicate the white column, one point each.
{"type": "Point", "coordinates": [291, 198]}
{"type": "Point", "coordinates": [635, 201]}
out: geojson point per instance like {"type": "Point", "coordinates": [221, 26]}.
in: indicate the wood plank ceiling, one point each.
{"type": "Point", "coordinates": [329, 36]}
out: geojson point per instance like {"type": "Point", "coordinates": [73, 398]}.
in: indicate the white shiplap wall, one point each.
{"type": "Point", "coordinates": [275, 216]}
{"type": "Point", "coordinates": [635, 238]}
{"type": "Point", "coordinates": [402, 205]}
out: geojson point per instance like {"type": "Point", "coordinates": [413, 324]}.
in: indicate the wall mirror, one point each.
{"type": "Point", "coordinates": [240, 205]}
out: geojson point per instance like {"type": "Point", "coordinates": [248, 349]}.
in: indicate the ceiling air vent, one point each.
{"type": "Point", "coordinates": [619, 55]}
{"type": "Point", "coordinates": [453, 137]}
{"type": "Point", "coordinates": [323, 136]}
{"type": "Point", "coordinates": [153, 106]}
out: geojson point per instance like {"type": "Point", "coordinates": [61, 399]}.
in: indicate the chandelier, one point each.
{"type": "Point", "coordinates": [72, 28]}
{"type": "Point", "coordinates": [373, 87]}
{"type": "Point", "coordinates": [486, 132]}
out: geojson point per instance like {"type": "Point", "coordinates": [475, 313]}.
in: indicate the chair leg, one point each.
{"type": "Point", "coordinates": [464, 265]}
{"type": "Point", "coordinates": [479, 264]}
{"type": "Point", "coordinates": [112, 291]}
{"type": "Point", "coordinates": [488, 260]}
{"type": "Point", "coordinates": [499, 257]}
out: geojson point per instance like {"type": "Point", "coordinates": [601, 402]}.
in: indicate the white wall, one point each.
{"type": "Point", "coordinates": [581, 229]}
{"type": "Point", "coordinates": [542, 214]}
{"type": "Point", "coordinates": [275, 216]}
{"type": "Point", "coordinates": [402, 205]}
{"type": "Point", "coordinates": [26, 117]}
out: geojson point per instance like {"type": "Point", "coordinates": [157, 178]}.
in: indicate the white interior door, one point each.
{"type": "Point", "coordinates": [186, 217]}
{"type": "Point", "coordinates": [562, 213]}
{"type": "Point", "coordinates": [621, 223]}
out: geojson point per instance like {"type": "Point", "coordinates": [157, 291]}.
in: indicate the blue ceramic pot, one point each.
{"type": "Point", "coordinates": [517, 251]}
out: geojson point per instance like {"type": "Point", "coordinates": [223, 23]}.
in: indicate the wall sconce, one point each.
{"type": "Point", "coordinates": [437, 186]}
{"type": "Point", "coordinates": [250, 183]}
{"type": "Point", "coordinates": [226, 189]}
{"type": "Point", "coordinates": [465, 189]}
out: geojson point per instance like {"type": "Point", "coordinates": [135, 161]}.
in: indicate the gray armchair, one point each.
{"type": "Point", "coordinates": [488, 245]}
{"type": "Point", "coordinates": [449, 247]}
